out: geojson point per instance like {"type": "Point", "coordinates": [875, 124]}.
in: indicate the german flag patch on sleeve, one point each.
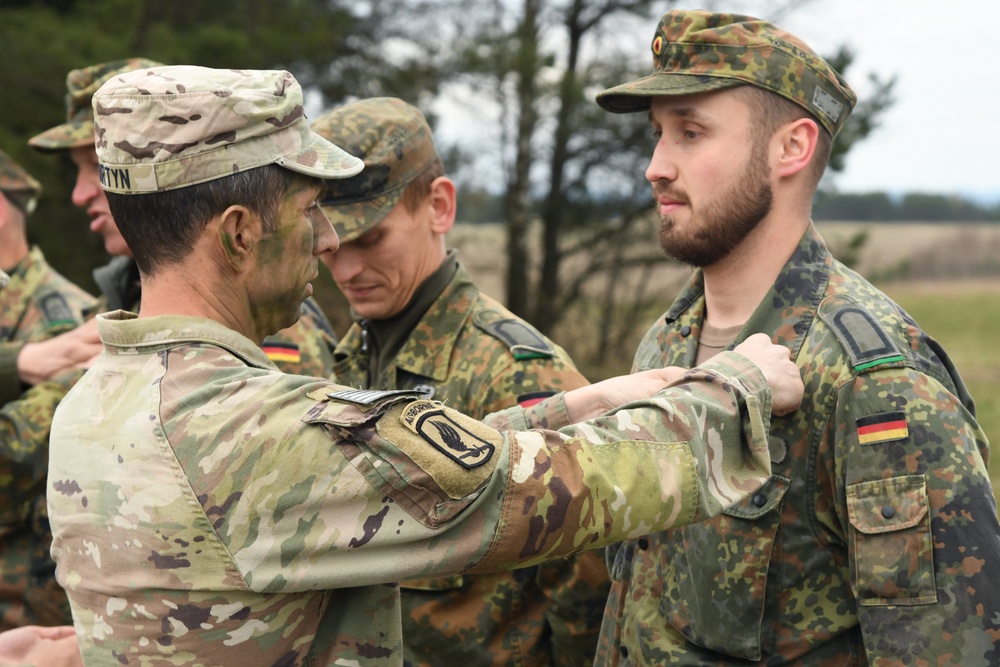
{"type": "Point", "coordinates": [883, 427]}
{"type": "Point", "coordinates": [282, 351]}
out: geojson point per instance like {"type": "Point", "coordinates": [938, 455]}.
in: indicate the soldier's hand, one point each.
{"type": "Point", "coordinates": [38, 362]}
{"type": "Point", "coordinates": [35, 645]}
{"type": "Point", "coordinates": [594, 400]}
{"type": "Point", "coordinates": [781, 373]}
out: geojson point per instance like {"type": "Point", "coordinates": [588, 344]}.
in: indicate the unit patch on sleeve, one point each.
{"type": "Point", "coordinates": [457, 442]}
{"type": "Point", "coordinates": [883, 427]}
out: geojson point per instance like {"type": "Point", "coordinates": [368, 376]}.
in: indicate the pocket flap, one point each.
{"type": "Point", "coordinates": [762, 501]}
{"type": "Point", "coordinates": [886, 505]}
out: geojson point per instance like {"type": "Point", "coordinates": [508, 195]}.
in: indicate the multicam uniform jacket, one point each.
{"type": "Point", "coordinates": [210, 510]}
{"type": "Point", "coordinates": [38, 303]}
{"type": "Point", "coordinates": [477, 357]}
{"type": "Point", "coordinates": [305, 348]}
{"type": "Point", "coordinates": [876, 539]}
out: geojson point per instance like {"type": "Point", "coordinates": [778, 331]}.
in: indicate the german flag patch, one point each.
{"type": "Point", "coordinates": [534, 398]}
{"type": "Point", "coordinates": [884, 427]}
{"type": "Point", "coordinates": [284, 352]}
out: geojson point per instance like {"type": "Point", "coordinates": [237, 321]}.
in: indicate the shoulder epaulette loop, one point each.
{"type": "Point", "coordinates": [523, 340]}
{"type": "Point", "coordinates": [864, 338]}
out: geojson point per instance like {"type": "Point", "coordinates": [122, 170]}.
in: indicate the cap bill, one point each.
{"type": "Point", "coordinates": [634, 95]}
{"type": "Point", "coordinates": [322, 159]}
{"type": "Point", "coordinates": [64, 137]}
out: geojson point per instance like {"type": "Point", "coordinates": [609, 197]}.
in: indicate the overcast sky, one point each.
{"type": "Point", "coordinates": [943, 133]}
{"type": "Point", "coordinates": [941, 136]}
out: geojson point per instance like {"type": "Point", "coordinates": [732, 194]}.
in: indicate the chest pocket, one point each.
{"type": "Point", "coordinates": [715, 582]}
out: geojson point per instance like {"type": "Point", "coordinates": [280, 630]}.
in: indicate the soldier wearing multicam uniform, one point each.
{"type": "Point", "coordinates": [422, 323]}
{"type": "Point", "coordinates": [36, 304]}
{"type": "Point", "coordinates": [230, 514]}
{"type": "Point", "coordinates": [876, 539]}
{"type": "Point", "coordinates": [306, 348]}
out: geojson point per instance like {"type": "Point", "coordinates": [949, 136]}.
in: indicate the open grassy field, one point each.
{"type": "Point", "coordinates": [964, 316]}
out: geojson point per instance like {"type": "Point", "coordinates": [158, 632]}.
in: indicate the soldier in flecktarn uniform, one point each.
{"type": "Point", "coordinates": [422, 323]}
{"type": "Point", "coordinates": [875, 541]}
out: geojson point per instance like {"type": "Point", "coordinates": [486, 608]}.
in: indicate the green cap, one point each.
{"type": "Point", "coordinates": [17, 185]}
{"type": "Point", "coordinates": [395, 142]}
{"type": "Point", "coordinates": [168, 127]}
{"type": "Point", "coordinates": [699, 51]}
{"type": "Point", "coordinates": [81, 84]}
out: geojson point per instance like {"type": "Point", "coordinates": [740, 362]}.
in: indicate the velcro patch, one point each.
{"type": "Point", "coordinates": [456, 451]}
{"type": "Point", "coordinates": [430, 421]}
{"type": "Point", "coordinates": [883, 427]}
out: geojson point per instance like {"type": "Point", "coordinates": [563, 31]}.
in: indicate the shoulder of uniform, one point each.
{"type": "Point", "coordinates": [61, 303]}
{"type": "Point", "coordinates": [311, 312]}
{"type": "Point", "coordinates": [522, 339]}
{"type": "Point", "coordinates": [866, 339]}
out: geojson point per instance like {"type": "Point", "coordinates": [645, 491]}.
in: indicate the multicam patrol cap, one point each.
{"type": "Point", "coordinates": [169, 127]}
{"type": "Point", "coordinates": [697, 51]}
{"type": "Point", "coordinates": [17, 185]}
{"type": "Point", "coordinates": [81, 84]}
{"type": "Point", "coordinates": [394, 140]}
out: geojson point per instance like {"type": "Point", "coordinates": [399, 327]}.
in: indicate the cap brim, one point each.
{"type": "Point", "coordinates": [64, 137]}
{"type": "Point", "coordinates": [635, 95]}
{"type": "Point", "coordinates": [352, 220]}
{"type": "Point", "coordinates": [322, 159]}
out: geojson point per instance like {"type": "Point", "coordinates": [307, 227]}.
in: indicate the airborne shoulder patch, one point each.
{"type": "Point", "coordinates": [523, 340]}
{"type": "Point", "coordinates": [866, 341]}
{"type": "Point", "coordinates": [456, 441]}
{"type": "Point", "coordinates": [456, 451]}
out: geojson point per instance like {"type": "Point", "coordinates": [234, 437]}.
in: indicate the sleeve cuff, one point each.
{"type": "Point", "coordinates": [10, 381]}
{"type": "Point", "coordinates": [548, 414]}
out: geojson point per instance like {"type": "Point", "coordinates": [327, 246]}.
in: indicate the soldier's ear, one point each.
{"type": "Point", "coordinates": [239, 230]}
{"type": "Point", "coordinates": [795, 144]}
{"type": "Point", "coordinates": [442, 203]}
{"type": "Point", "coordinates": [5, 210]}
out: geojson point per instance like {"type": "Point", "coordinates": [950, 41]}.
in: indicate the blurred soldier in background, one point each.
{"type": "Point", "coordinates": [305, 348]}
{"type": "Point", "coordinates": [421, 323]}
{"type": "Point", "coordinates": [36, 305]}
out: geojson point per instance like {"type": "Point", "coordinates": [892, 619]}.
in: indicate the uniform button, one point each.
{"type": "Point", "coordinates": [643, 543]}
{"type": "Point", "coordinates": [888, 512]}
{"type": "Point", "coordinates": [760, 500]}
{"type": "Point", "coordinates": [685, 331]}
{"type": "Point", "coordinates": [624, 651]}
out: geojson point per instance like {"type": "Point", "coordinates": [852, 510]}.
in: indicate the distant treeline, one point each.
{"type": "Point", "coordinates": [476, 205]}
{"type": "Point", "coordinates": [911, 207]}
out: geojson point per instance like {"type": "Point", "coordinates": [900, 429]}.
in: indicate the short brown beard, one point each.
{"type": "Point", "coordinates": [721, 224]}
